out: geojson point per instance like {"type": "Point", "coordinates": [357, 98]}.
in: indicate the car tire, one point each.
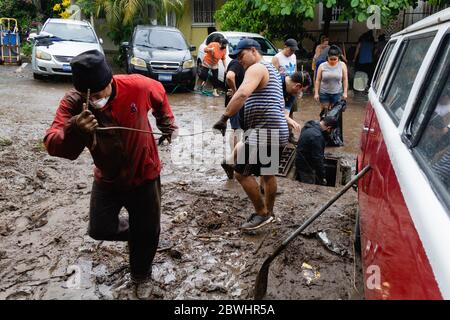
{"type": "Point", "coordinates": [38, 76]}
{"type": "Point", "coordinates": [191, 85]}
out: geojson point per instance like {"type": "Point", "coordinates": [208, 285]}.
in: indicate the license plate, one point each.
{"type": "Point", "coordinates": [67, 68]}
{"type": "Point", "coordinates": [165, 77]}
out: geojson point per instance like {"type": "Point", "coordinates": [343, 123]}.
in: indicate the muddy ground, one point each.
{"type": "Point", "coordinates": [44, 205]}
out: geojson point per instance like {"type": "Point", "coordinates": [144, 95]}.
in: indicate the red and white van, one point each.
{"type": "Point", "coordinates": [404, 200]}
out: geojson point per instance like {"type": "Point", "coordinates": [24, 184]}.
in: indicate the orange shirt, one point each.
{"type": "Point", "coordinates": [212, 58]}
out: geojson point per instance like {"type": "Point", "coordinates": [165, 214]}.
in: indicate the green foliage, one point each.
{"type": "Point", "coordinates": [123, 15]}
{"type": "Point", "coordinates": [27, 48]}
{"type": "Point", "coordinates": [22, 10]}
{"type": "Point", "coordinates": [278, 18]}
{"type": "Point", "coordinates": [273, 18]}
{"type": "Point", "coordinates": [88, 7]}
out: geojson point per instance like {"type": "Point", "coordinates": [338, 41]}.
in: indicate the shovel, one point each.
{"type": "Point", "coordinates": [261, 279]}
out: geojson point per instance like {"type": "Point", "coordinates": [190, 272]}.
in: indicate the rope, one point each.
{"type": "Point", "coordinates": [149, 132]}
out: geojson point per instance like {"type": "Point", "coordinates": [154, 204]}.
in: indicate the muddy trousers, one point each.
{"type": "Point", "coordinates": [141, 229]}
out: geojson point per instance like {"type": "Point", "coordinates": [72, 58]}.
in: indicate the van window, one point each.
{"type": "Point", "coordinates": [433, 147]}
{"type": "Point", "coordinates": [382, 65]}
{"type": "Point", "coordinates": [267, 48]}
{"type": "Point", "coordinates": [429, 91]}
{"type": "Point", "coordinates": [405, 74]}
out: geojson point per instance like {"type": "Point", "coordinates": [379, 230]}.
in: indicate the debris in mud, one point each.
{"type": "Point", "coordinates": [309, 273]}
{"type": "Point", "coordinates": [5, 142]}
{"type": "Point", "coordinates": [331, 246]}
{"type": "Point", "coordinates": [205, 256]}
{"type": "Point", "coordinates": [175, 254]}
{"type": "Point", "coordinates": [81, 185]}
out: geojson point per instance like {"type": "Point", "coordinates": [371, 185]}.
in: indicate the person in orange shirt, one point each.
{"type": "Point", "coordinates": [214, 52]}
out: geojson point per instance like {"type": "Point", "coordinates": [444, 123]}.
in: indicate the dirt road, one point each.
{"type": "Point", "coordinates": [45, 252]}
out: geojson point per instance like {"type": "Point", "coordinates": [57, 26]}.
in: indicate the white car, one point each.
{"type": "Point", "coordinates": [58, 42]}
{"type": "Point", "coordinates": [267, 48]}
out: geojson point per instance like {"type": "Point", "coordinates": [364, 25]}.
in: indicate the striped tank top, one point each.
{"type": "Point", "coordinates": [264, 113]}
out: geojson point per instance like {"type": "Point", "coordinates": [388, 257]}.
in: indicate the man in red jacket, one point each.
{"type": "Point", "coordinates": [127, 166]}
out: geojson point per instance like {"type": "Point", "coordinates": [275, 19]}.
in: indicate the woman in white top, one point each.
{"type": "Point", "coordinates": [285, 61]}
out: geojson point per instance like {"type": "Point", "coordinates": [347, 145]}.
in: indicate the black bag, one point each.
{"type": "Point", "coordinates": [336, 137]}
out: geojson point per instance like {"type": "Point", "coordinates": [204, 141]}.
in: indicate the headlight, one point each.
{"type": "Point", "coordinates": [43, 55]}
{"type": "Point", "coordinates": [189, 64]}
{"type": "Point", "coordinates": [138, 62]}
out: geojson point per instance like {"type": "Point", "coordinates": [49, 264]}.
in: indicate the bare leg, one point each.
{"type": "Point", "coordinates": [261, 184]}
{"type": "Point", "coordinates": [251, 188]}
{"type": "Point", "coordinates": [270, 191]}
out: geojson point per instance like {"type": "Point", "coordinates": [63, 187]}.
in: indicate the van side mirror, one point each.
{"type": "Point", "coordinates": [192, 48]}
{"type": "Point", "coordinates": [100, 41]}
{"type": "Point", "coordinates": [125, 45]}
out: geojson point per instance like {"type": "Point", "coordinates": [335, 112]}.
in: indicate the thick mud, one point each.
{"type": "Point", "coordinates": [45, 252]}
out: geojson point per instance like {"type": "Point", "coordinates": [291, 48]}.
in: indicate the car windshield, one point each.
{"type": "Point", "coordinates": [71, 32]}
{"type": "Point", "coordinates": [267, 48]}
{"type": "Point", "coordinates": [160, 39]}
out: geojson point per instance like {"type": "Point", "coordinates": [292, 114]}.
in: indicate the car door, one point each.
{"type": "Point", "coordinates": [389, 240]}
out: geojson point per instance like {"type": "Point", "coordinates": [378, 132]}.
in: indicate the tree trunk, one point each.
{"type": "Point", "coordinates": [326, 20]}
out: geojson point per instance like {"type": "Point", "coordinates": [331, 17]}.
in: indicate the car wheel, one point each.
{"type": "Point", "coordinates": [191, 85]}
{"type": "Point", "coordinates": [37, 76]}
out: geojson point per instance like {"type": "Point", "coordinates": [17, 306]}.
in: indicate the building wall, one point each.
{"type": "Point", "coordinates": [194, 34]}
{"type": "Point", "coordinates": [108, 45]}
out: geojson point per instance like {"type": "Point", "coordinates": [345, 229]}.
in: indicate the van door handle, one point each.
{"type": "Point", "coordinates": [367, 130]}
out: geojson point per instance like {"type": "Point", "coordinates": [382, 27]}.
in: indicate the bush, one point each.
{"type": "Point", "coordinates": [27, 48]}
{"type": "Point", "coordinates": [22, 10]}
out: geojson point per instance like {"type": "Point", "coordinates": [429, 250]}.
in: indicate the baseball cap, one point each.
{"type": "Point", "coordinates": [291, 43]}
{"type": "Point", "coordinates": [245, 43]}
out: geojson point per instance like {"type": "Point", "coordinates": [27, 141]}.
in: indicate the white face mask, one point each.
{"type": "Point", "coordinates": [100, 103]}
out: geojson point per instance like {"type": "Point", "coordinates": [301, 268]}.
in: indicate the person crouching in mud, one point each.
{"type": "Point", "coordinates": [267, 134]}
{"type": "Point", "coordinates": [127, 166]}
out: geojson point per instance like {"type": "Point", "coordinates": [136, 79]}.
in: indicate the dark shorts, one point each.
{"type": "Point", "coordinates": [258, 160]}
{"type": "Point", "coordinates": [234, 122]}
{"type": "Point", "coordinates": [329, 98]}
{"type": "Point", "coordinates": [203, 74]}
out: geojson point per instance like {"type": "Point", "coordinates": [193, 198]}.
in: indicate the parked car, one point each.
{"type": "Point", "coordinates": [267, 48]}
{"type": "Point", "coordinates": [58, 42]}
{"type": "Point", "coordinates": [404, 200]}
{"type": "Point", "coordinates": [161, 53]}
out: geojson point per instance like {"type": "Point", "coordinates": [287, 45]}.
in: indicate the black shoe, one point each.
{"type": "Point", "coordinates": [228, 170]}
{"type": "Point", "coordinates": [257, 221]}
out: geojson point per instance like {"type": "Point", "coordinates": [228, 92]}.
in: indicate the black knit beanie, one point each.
{"type": "Point", "coordinates": [90, 71]}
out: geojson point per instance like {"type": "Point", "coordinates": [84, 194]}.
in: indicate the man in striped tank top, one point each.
{"type": "Point", "coordinates": [266, 134]}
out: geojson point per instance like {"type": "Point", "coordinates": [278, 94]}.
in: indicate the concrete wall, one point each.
{"type": "Point", "coordinates": [108, 45]}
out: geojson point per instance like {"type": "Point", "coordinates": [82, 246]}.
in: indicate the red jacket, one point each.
{"type": "Point", "coordinates": [122, 159]}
